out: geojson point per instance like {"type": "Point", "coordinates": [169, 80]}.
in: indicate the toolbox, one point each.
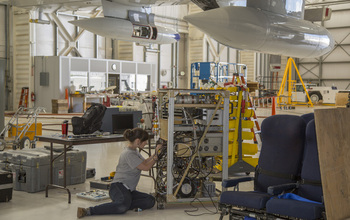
{"type": "Point", "coordinates": [6, 180]}
{"type": "Point", "coordinates": [101, 184]}
{"type": "Point", "coordinates": [31, 168]}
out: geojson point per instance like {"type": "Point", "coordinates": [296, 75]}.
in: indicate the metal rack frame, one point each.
{"type": "Point", "coordinates": [170, 144]}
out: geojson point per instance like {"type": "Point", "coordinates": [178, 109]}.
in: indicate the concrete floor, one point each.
{"type": "Point", "coordinates": [104, 159]}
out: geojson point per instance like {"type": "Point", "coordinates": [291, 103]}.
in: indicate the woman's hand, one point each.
{"type": "Point", "coordinates": [159, 146]}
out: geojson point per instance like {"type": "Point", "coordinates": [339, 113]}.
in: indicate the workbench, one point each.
{"type": "Point", "coordinates": [68, 143]}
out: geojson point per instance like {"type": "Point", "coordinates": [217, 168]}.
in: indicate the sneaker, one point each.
{"type": "Point", "coordinates": [81, 212]}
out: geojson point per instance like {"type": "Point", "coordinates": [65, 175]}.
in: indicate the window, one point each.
{"type": "Point", "coordinates": [97, 81]}
{"type": "Point", "coordinates": [127, 83]}
{"type": "Point", "coordinates": [299, 88]}
{"type": "Point", "coordinates": [79, 80]}
{"type": "Point", "coordinates": [143, 83]}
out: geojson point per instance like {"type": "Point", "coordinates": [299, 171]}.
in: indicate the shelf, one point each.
{"type": "Point", "coordinates": [190, 128]}
{"type": "Point", "coordinates": [196, 105]}
{"type": "Point", "coordinates": [202, 199]}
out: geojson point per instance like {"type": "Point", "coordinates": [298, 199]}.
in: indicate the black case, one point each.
{"type": "Point", "coordinates": [91, 121]}
{"type": "Point", "coordinates": [90, 172]}
{"type": "Point", "coordinates": [6, 186]}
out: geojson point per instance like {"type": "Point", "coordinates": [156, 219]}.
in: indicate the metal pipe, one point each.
{"type": "Point", "coordinates": [144, 54]}
{"type": "Point", "coordinates": [267, 66]}
{"type": "Point", "coordinates": [208, 51]}
{"type": "Point", "coordinates": [177, 64]}
{"type": "Point", "coordinates": [8, 83]}
{"type": "Point", "coordinates": [327, 3]}
{"type": "Point", "coordinates": [256, 71]}
{"type": "Point", "coordinates": [172, 63]}
{"type": "Point", "coordinates": [56, 37]}
{"type": "Point", "coordinates": [76, 34]}
{"type": "Point", "coordinates": [339, 10]}
{"type": "Point", "coordinates": [158, 67]}
{"type": "Point", "coordinates": [7, 54]}
{"type": "Point", "coordinates": [228, 55]}
{"type": "Point", "coordinates": [96, 45]}
{"type": "Point", "coordinates": [330, 62]}
{"type": "Point", "coordinates": [347, 86]}
{"type": "Point", "coordinates": [187, 63]}
{"type": "Point", "coordinates": [70, 15]}
{"type": "Point", "coordinates": [218, 52]}
{"type": "Point", "coordinates": [113, 49]}
{"type": "Point", "coordinates": [2, 93]}
{"type": "Point", "coordinates": [320, 61]}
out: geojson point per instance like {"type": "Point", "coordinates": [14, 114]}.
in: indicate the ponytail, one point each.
{"type": "Point", "coordinates": [136, 133]}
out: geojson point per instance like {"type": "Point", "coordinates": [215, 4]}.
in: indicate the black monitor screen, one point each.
{"type": "Point", "coordinates": [121, 122]}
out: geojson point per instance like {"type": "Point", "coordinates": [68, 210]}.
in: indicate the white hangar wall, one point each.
{"type": "Point", "coordinates": [333, 68]}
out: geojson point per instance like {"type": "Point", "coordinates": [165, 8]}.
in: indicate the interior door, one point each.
{"type": "Point", "coordinates": [113, 80]}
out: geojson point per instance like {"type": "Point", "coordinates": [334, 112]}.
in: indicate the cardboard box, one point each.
{"type": "Point", "coordinates": [341, 99]}
{"type": "Point", "coordinates": [253, 86]}
{"type": "Point", "coordinates": [59, 106]}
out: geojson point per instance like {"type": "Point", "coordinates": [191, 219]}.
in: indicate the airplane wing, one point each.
{"type": "Point", "coordinates": [267, 26]}
{"type": "Point", "coordinates": [274, 27]}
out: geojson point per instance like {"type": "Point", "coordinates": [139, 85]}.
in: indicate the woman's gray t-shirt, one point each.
{"type": "Point", "coordinates": [127, 172]}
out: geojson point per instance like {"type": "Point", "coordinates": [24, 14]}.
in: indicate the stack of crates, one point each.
{"type": "Point", "coordinates": [59, 106]}
{"type": "Point", "coordinates": [31, 168]}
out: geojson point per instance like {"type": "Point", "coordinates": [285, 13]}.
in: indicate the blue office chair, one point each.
{"type": "Point", "coordinates": [306, 202]}
{"type": "Point", "coordinates": [283, 138]}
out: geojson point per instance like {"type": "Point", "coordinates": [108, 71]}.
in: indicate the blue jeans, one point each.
{"type": "Point", "coordinates": [123, 200]}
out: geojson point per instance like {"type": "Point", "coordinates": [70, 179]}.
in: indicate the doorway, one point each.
{"type": "Point", "coordinates": [113, 80]}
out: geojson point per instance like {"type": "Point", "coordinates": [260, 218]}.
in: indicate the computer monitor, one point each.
{"type": "Point", "coordinates": [107, 125]}
{"type": "Point", "coordinates": [121, 122]}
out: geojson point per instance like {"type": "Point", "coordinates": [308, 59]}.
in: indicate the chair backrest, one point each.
{"type": "Point", "coordinates": [283, 138]}
{"type": "Point", "coordinates": [310, 187]}
{"type": "Point", "coordinates": [308, 117]}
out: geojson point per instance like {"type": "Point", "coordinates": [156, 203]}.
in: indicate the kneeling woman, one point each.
{"type": "Point", "coordinates": [123, 188]}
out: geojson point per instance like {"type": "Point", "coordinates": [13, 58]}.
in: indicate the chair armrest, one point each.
{"type": "Point", "coordinates": [276, 190]}
{"type": "Point", "coordinates": [235, 182]}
